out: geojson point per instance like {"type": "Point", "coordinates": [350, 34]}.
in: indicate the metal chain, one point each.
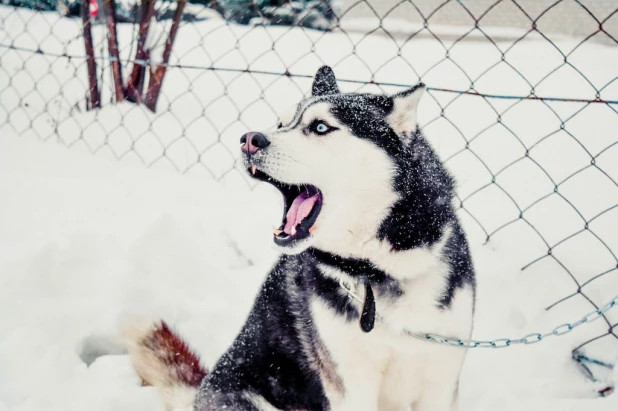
{"type": "Point", "coordinates": [500, 342]}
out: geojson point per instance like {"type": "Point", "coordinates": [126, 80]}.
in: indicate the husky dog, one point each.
{"type": "Point", "coordinates": [367, 204]}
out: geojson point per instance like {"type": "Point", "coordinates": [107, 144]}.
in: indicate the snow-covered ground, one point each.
{"type": "Point", "coordinates": [86, 242]}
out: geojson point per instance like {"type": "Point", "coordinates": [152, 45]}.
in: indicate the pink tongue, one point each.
{"type": "Point", "coordinates": [300, 209]}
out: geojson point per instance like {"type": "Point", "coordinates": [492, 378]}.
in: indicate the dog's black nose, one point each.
{"type": "Point", "coordinates": [253, 142]}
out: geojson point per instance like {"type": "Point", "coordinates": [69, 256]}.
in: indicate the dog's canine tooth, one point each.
{"type": "Point", "coordinates": [253, 170]}
{"type": "Point", "coordinates": [277, 231]}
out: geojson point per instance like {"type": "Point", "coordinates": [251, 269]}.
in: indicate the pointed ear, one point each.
{"type": "Point", "coordinates": [324, 82]}
{"type": "Point", "coordinates": [402, 118]}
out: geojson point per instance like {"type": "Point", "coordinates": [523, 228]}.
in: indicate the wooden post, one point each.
{"type": "Point", "coordinates": [112, 42]}
{"type": "Point", "coordinates": [136, 78]}
{"type": "Point", "coordinates": [156, 76]}
{"type": "Point", "coordinates": [93, 92]}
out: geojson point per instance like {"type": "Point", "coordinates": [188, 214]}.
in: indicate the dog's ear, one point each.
{"type": "Point", "coordinates": [324, 82]}
{"type": "Point", "coordinates": [402, 117]}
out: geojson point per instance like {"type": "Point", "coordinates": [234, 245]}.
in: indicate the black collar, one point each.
{"type": "Point", "coordinates": [364, 271]}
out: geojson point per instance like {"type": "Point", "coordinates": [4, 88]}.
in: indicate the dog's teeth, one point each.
{"type": "Point", "coordinates": [277, 232]}
{"type": "Point", "coordinates": [293, 230]}
{"type": "Point", "coordinates": [312, 229]}
{"type": "Point", "coordinates": [253, 169]}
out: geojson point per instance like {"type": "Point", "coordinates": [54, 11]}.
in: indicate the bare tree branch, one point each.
{"type": "Point", "coordinates": [112, 42]}
{"type": "Point", "coordinates": [93, 93]}
{"type": "Point", "coordinates": [156, 76]}
{"type": "Point", "coordinates": [136, 78]}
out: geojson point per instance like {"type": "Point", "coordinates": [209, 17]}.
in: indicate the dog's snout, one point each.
{"type": "Point", "coordinates": [253, 142]}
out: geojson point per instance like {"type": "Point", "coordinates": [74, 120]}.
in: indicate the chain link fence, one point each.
{"type": "Point", "coordinates": [522, 103]}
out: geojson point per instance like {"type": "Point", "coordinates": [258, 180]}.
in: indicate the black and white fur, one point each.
{"type": "Point", "coordinates": [386, 220]}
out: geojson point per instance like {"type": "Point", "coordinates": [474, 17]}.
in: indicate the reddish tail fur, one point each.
{"type": "Point", "coordinates": [162, 359]}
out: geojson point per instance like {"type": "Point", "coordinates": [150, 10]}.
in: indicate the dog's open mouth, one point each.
{"type": "Point", "coordinates": [301, 207]}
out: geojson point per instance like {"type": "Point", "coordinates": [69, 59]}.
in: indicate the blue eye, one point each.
{"type": "Point", "coordinates": [320, 127]}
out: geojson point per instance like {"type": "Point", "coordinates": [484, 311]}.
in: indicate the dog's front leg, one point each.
{"type": "Point", "coordinates": [360, 395]}
{"type": "Point", "coordinates": [361, 375]}
{"type": "Point", "coordinates": [438, 396]}
{"type": "Point", "coordinates": [356, 358]}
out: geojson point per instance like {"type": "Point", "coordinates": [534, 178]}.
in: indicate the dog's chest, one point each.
{"type": "Point", "coordinates": [386, 357]}
{"type": "Point", "coordinates": [412, 304]}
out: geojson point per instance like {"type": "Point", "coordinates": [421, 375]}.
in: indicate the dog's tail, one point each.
{"type": "Point", "coordinates": [162, 359]}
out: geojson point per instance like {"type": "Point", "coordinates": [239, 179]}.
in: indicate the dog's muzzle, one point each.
{"type": "Point", "coordinates": [302, 202]}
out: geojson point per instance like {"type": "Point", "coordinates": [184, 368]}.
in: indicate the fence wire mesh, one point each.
{"type": "Point", "coordinates": [522, 102]}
